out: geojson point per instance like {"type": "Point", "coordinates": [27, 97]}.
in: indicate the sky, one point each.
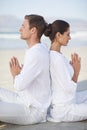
{"type": "Point", "coordinates": [76, 9]}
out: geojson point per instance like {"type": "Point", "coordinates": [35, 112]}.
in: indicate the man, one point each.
{"type": "Point", "coordinates": [32, 81]}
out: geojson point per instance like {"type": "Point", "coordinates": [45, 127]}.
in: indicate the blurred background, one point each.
{"type": "Point", "coordinates": [12, 14]}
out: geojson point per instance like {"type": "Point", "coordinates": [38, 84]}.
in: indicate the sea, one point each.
{"type": "Point", "coordinates": [11, 40]}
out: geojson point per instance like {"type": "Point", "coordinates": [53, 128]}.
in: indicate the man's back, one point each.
{"type": "Point", "coordinates": [33, 82]}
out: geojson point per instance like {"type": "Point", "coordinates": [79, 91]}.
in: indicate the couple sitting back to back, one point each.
{"type": "Point", "coordinates": [34, 93]}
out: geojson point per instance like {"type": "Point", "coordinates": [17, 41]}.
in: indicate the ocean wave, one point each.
{"type": "Point", "coordinates": [79, 35]}
{"type": "Point", "coordinates": [9, 36]}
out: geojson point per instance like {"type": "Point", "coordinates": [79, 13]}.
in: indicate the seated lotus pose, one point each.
{"type": "Point", "coordinates": [67, 104]}
{"type": "Point", "coordinates": [29, 104]}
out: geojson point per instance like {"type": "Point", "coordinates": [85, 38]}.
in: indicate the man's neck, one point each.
{"type": "Point", "coordinates": [32, 43]}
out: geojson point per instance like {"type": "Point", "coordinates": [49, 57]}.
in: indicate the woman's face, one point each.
{"type": "Point", "coordinates": [65, 37]}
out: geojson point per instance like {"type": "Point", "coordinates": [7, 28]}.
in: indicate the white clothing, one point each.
{"type": "Point", "coordinates": [65, 105]}
{"type": "Point", "coordinates": [12, 110]}
{"type": "Point", "coordinates": [33, 89]}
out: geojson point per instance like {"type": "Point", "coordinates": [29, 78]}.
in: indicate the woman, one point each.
{"type": "Point", "coordinates": [67, 105]}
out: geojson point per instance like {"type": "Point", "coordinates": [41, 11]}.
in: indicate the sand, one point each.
{"type": "Point", "coordinates": [82, 52]}
{"type": "Point", "coordinates": [6, 81]}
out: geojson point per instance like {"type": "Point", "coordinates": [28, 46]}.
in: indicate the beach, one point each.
{"type": "Point", "coordinates": [82, 52]}
{"type": "Point", "coordinates": [6, 81]}
{"type": "Point", "coordinates": [12, 15]}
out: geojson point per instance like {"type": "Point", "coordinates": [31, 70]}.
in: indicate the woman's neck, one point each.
{"type": "Point", "coordinates": [55, 46]}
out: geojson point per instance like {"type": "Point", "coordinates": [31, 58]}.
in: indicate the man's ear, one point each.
{"type": "Point", "coordinates": [33, 29]}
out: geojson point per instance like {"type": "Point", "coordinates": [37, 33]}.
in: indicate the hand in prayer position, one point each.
{"type": "Point", "coordinates": [15, 67]}
{"type": "Point", "coordinates": [76, 64]}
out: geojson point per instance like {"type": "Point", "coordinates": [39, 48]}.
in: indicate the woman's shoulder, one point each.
{"type": "Point", "coordinates": [57, 57]}
{"type": "Point", "coordinates": [56, 54]}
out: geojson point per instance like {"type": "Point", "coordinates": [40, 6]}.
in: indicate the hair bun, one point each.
{"type": "Point", "coordinates": [48, 30]}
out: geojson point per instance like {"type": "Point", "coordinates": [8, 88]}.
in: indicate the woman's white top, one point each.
{"type": "Point", "coordinates": [63, 87]}
{"type": "Point", "coordinates": [33, 83]}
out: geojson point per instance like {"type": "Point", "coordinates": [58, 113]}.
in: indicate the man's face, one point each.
{"type": "Point", "coordinates": [24, 30]}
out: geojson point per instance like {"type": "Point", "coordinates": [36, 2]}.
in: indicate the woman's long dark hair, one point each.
{"type": "Point", "coordinates": [57, 26]}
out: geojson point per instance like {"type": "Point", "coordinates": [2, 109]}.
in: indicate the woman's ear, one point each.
{"type": "Point", "coordinates": [57, 37]}
{"type": "Point", "coordinates": [58, 34]}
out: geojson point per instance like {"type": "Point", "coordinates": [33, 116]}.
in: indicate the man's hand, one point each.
{"type": "Point", "coordinates": [15, 68]}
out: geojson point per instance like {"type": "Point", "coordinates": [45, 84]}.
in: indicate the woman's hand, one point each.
{"type": "Point", "coordinates": [76, 64]}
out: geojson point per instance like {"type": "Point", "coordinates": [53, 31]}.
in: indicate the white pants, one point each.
{"type": "Point", "coordinates": [70, 112]}
{"type": "Point", "coordinates": [13, 111]}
